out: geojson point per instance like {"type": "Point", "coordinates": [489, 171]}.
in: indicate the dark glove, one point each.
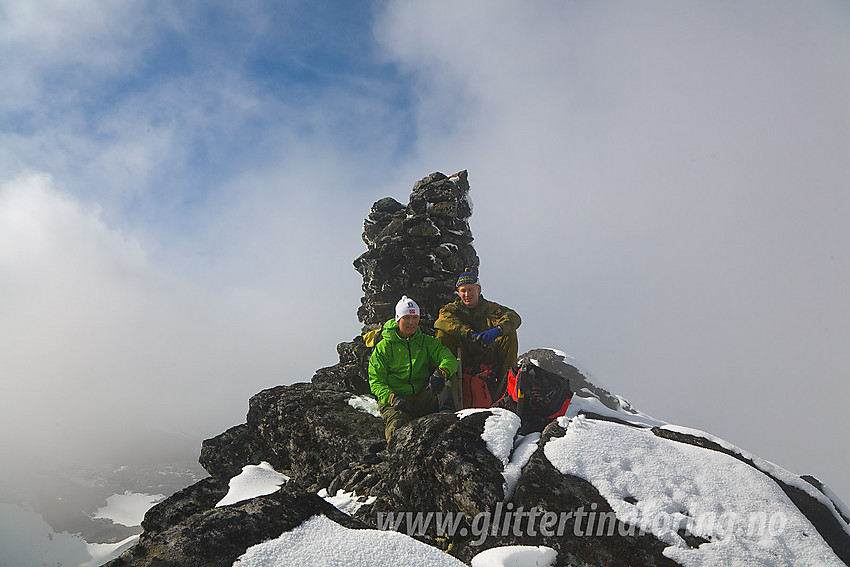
{"type": "Point", "coordinates": [399, 403]}
{"type": "Point", "coordinates": [437, 381]}
{"type": "Point", "coordinates": [475, 338]}
{"type": "Point", "coordinates": [489, 337]}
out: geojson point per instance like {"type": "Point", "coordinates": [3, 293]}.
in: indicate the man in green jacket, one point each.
{"type": "Point", "coordinates": [400, 365]}
{"type": "Point", "coordinates": [485, 333]}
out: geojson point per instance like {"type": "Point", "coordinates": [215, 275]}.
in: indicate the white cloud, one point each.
{"type": "Point", "coordinates": [104, 349]}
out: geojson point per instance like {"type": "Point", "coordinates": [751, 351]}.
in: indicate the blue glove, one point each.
{"type": "Point", "coordinates": [489, 337]}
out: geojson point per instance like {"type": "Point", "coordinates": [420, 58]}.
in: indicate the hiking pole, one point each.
{"type": "Point", "coordinates": [457, 387]}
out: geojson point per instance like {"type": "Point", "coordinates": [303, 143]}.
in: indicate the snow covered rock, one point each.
{"type": "Point", "coordinates": [216, 537]}
{"type": "Point", "coordinates": [311, 432]}
{"type": "Point", "coordinates": [224, 456]}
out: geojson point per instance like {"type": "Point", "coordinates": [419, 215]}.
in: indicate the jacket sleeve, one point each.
{"type": "Point", "coordinates": [505, 318]}
{"type": "Point", "coordinates": [449, 322]}
{"type": "Point", "coordinates": [442, 356]}
{"type": "Point", "coordinates": [378, 375]}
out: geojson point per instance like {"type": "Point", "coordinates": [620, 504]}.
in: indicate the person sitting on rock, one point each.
{"type": "Point", "coordinates": [399, 368]}
{"type": "Point", "coordinates": [483, 334]}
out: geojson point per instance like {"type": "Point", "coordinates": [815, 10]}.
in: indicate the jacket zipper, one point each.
{"type": "Point", "coordinates": [410, 367]}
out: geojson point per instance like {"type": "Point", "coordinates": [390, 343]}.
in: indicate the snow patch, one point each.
{"type": "Point", "coordinates": [104, 552]}
{"type": "Point", "coordinates": [253, 481]}
{"type": "Point", "coordinates": [499, 431]}
{"type": "Point", "coordinates": [524, 447]}
{"type": "Point", "coordinates": [662, 486]}
{"type": "Point", "coordinates": [128, 509]}
{"type": "Point", "coordinates": [320, 542]}
{"type": "Point", "coordinates": [516, 556]}
{"type": "Point", "coordinates": [500, 436]}
{"type": "Point", "coordinates": [772, 469]}
{"type": "Point", "coordinates": [367, 404]}
{"type": "Point", "coordinates": [347, 502]}
{"type": "Point", "coordinates": [592, 404]}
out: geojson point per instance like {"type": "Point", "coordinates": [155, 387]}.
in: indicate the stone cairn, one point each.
{"type": "Point", "coordinates": [416, 250]}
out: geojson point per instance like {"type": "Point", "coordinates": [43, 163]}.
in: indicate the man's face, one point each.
{"type": "Point", "coordinates": [469, 294]}
{"type": "Point", "coordinates": [407, 325]}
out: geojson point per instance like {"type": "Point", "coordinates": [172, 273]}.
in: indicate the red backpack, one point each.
{"type": "Point", "coordinates": [479, 386]}
{"type": "Point", "coordinates": [536, 395]}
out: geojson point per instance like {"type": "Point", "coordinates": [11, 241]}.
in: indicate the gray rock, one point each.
{"type": "Point", "coordinates": [312, 434]}
{"type": "Point", "coordinates": [206, 536]}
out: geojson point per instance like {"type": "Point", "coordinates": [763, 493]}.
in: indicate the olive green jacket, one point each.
{"type": "Point", "coordinates": [402, 366]}
{"type": "Point", "coordinates": [456, 318]}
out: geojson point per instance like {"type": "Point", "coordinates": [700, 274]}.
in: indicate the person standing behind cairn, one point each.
{"type": "Point", "coordinates": [483, 333]}
{"type": "Point", "coordinates": [399, 369]}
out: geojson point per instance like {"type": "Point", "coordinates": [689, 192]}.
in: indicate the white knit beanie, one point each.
{"type": "Point", "coordinates": [405, 306]}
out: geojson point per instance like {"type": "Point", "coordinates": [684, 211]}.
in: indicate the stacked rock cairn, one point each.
{"type": "Point", "coordinates": [417, 250]}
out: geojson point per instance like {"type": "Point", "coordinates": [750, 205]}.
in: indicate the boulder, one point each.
{"type": "Point", "coordinates": [312, 434]}
{"type": "Point", "coordinates": [206, 536]}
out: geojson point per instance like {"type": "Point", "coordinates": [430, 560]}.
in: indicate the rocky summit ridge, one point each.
{"type": "Point", "coordinates": [496, 488]}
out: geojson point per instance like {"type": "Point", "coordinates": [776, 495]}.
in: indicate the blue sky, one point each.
{"type": "Point", "coordinates": [659, 190]}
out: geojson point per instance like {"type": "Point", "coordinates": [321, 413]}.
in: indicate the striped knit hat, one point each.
{"type": "Point", "coordinates": [467, 277]}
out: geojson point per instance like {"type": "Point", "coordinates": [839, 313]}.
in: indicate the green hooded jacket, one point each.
{"type": "Point", "coordinates": [401, 366]}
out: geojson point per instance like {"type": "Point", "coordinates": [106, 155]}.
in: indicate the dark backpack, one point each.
{"type": "Point", "coordinates": [536, 395]}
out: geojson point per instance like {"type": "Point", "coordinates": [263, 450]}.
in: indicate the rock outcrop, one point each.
{"type": "Point", "coordinates": [470, 468]}
{"type": "Point", "coordinates": [187, 530]}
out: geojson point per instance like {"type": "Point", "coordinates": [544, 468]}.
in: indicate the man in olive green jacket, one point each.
{"type": "Point", "coordinates": [484, 331]}
{"type": "Point", "coordinates": [399, 369]}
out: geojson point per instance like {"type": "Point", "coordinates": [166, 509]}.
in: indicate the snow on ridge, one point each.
{"type": "Point", "coordinates": [567, 359]}
{"type": "Point", "coordinates": [585, 401]}
{"type": "Point", "coordinates": [253, 481]}
{"type": "Point", "coordinates": [347, 502]}
{"type": "Point", "coordinates": [571, 360]}
{"type": "Point", "coordinates": [499, 430]}
{"type": "Point", "coordinates": [516, 556]}
{"type": "Point", "coordinates": [500, 436]}
{"type": "Point", "coordinates": [839, 504]}
{"type": "Point", "coordinates": [580, 404]}
{"type": "Point", "coordinates": [524, 447]}
{"type": "Point", "coordinates": [103, 552]}
{"type": "Point", "coordinates": [771, 469]}
{"type": "Point", "coordinates": [661, 486]}
{"type": "Point", "coordinates": [321, 542]}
